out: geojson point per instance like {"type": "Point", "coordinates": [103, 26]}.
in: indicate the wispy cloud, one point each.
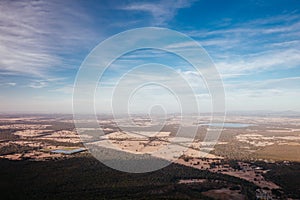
{"type": "Point", "coordinates": [38, 84]}
{"type": "Point", "coordinates": [8, 84]}
{"type": "Point", "coordinates": [254, 46]}
{"type": "Point", "coordinates": [33, 32]}
{"type": "Point", "coordinates": [275, 24]}
{"type": "Point", "coordinates": [254, 35]}
{"type": "Point", "coordinates": [42, 44]}
{"type": "Point", "coordinates": [255, 63]}
{"type": "Point", "coordinates": [161, 11]}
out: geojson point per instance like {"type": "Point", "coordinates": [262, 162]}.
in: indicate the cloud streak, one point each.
{"type": "Point", "coordinates": [161, 11]}
{"type": "Point", "coordinates": [33, 35]}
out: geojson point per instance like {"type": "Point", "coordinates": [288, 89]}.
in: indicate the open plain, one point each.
{"type": "Point", "coordinates": [248, 151]}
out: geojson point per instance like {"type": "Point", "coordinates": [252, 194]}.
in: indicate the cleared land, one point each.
{"type": "Point", "coordinates": [243, 158]}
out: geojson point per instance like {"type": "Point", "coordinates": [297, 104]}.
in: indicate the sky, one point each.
{"type": "Point", "coordinates": [254, 44]}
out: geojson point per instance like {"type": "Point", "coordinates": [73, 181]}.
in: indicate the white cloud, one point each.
{"type": "Point", "coordinates": [261, 36]}
{"type": "Point", "coordinates": [275, 24]}
{"type": "Point", "coordinates": [42, 83]}
{"type": "Point", "coordinates": [254, 63]}
{"type": "Point", "coordinates": [38, 84]}
{"type": "Point", "coordinates": [12, 84]}
{"type": "Point", "coordinates": [33, 33]}
{"type": "Point", "coordinates": [8, 84]}
{"type": "Point", "coordinates": [162, 11]}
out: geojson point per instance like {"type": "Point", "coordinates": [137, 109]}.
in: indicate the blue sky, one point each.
{"type": "Point", "coordinates": [254, 44]}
